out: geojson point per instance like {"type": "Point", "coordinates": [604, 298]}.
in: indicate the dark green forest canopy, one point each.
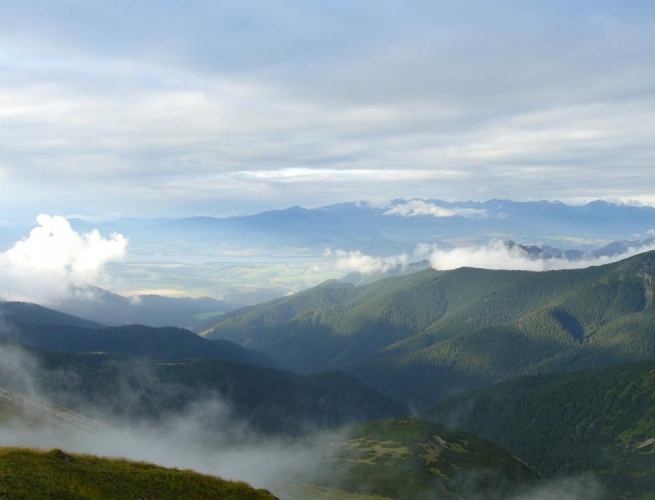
{"type": "Point", "coordinates": [595, 420]}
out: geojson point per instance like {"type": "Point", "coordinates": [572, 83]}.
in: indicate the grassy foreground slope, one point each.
{"type": "Point", "coordinates": [413, 459]}
{"type": "Point", "coordinates": [425, 336]}
{"type": "Point", "coordinates": [596, 420]}
{"type": "Point", "coordinates": [35, 475]}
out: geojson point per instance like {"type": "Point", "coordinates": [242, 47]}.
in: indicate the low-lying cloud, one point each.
{"type": "Point", "coordinates": [55, 261]}
{"type": "Point", "coordinates": [495, 255]}
{"type": "Point", "coordinates": [365, 264]}
{"type": "Point", "coordinates": [500, 256]}
{"type": "Point", "coordinates": [415, 208]}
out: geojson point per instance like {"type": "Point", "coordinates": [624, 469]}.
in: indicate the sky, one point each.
{"type": "Point", "coordinates": [170, 108]}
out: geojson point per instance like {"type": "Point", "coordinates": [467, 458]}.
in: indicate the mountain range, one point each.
{"type": "Point", "coordinates": [431, 334]}
{"type": "Point", "coordinates": [390, 229]}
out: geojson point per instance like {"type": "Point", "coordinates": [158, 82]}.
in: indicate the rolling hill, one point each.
{"type": "Point", "coordinates": [41, 327]}
{"type": "Point", "coordinates": [431, 334]}
{"type": "Point", "coordinates": [412, 459]}
{"type": "Point", "coordinates": [173, 344]}
{"type": "Point", "coordinates": [28, 314]}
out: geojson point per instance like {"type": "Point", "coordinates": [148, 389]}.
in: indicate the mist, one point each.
{"type": "Point", "coordinates": [206, 436]}
{"type": "Point", "coordinates": [55, 262]}
{"type": "Point", "coordinates": [577, 488]}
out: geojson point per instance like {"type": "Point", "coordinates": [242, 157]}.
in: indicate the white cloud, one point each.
{"type": "Point", "coordinates": [54, 261]}
{"type": "Point", "coordinates": [643, 200]}
{"type": "Point", "coordinates": [494, 255]}
{"type": "Point", "coordinates": [365, 264]}
{"type": "Point", "coordinates": [415, 208]}
{"type": "Point", "coordinates": [497, 255]}
{"type": "Point", "coordinates": [163, 119]}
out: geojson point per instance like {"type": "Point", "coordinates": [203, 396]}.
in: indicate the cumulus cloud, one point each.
{"type": "Point", "coordinates": [55, 261]}
{"type": "Point", "coordinates": [415, 208]}
{"type": "Point", "coordinates": [498, 255]}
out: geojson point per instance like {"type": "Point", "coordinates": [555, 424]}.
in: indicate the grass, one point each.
{"type": "Point", "coordinates": [35, 475]}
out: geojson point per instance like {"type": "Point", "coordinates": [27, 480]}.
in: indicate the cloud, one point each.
{"type": "Point", "coordinates": [495, 255]}
{"type": "Point", "coordinates": [55, 261]}
{"type": "Point", "coordinates": [191, 99]}
{"type": "Point", "coordinates": [365, 264]}
{"type": "Point", "coordinates": [498, 255]}
{"type": "Point", "coordinates": [580, 488]}
{"type": "Point", "coordinates": [415, 208]}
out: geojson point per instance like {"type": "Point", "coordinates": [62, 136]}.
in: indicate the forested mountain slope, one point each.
{"type": "Point", "coordinates": [596, 420]}
{"type": "Point", "coordinates": [173, 344]}
{"type": "Point", "coordinates": [26, 313]}
{"type": "Point", "coordinates": [430, 334]}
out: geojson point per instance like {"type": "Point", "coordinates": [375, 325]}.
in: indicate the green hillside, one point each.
{"type": "Point", "coordinates": [164, 343]}
{"type": "Point", "coordinates": [414, 459]}
{"type": "Point", "coordinates": [35, 475]}
{"type": "Point", "coordinates": [26, 313]}
{"type": "Point", "coordinates": [431, 334]}
{"type": "Point", "coordinates": [270, 400]}
{"type": "Point", "coordinates": [596, 420]}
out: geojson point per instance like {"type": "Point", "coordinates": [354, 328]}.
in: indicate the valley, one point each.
{"type": "Point", "coordinates": [327, 250]}
{"type": "Point", "coordinates": [392, 381]}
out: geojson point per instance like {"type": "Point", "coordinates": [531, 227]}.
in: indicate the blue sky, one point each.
{"type": "Point", "coordinates": [180, 108]}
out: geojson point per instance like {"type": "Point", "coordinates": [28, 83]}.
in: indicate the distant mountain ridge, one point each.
{"type": "Point", "coordinates": [112, 309]}
{"type": "Point", "coordinates": [392, 229]}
